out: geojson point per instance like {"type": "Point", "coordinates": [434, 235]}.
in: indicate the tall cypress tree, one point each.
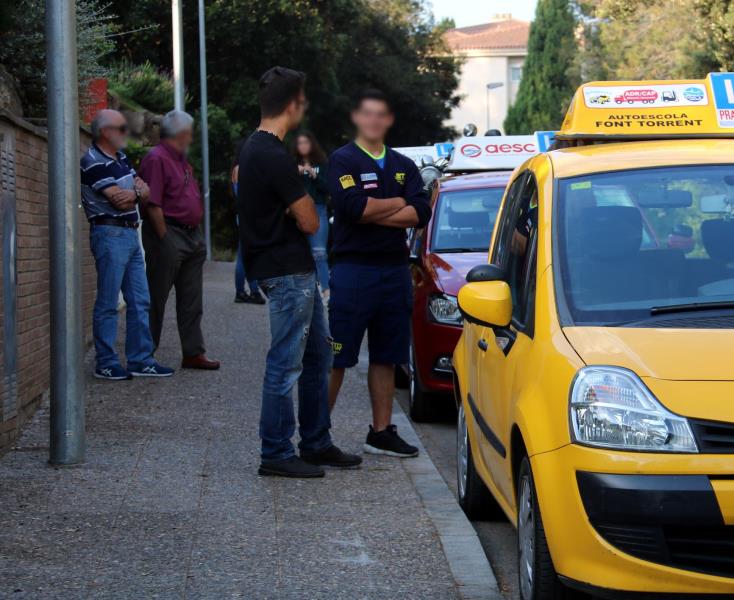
{"type": "Point", "coordinates": [547, 82]}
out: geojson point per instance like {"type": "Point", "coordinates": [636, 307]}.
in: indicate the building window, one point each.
{"type": "Point", "coordinates": [515, 74]}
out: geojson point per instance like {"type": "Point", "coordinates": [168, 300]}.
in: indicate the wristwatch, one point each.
{"type": "Point", "coordinates": [137, 194]}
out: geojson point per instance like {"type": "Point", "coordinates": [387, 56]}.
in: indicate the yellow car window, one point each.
{"type": "Point", "coordinates": [634, 241]}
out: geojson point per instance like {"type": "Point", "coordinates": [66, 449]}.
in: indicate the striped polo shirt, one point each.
{"type": "Point", "coordinates": [99, 170]}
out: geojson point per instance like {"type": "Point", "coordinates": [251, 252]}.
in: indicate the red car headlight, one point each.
{"type": "Point", "coordinates": [445, 309]}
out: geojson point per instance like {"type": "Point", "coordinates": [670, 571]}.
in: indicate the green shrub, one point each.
{"type": "Point", "coordinates": [135, 152]}
{"type": "Point", "coordinates": [142, 86]}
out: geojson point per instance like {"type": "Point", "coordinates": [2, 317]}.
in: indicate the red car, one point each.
{"type": "Point", "coordinates": [455, 240]}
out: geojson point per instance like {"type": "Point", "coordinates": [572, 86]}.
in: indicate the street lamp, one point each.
{"type": "Point", "coordinates": [177, 41]}
{"type": "Point", "coordinates": [492, 86]}
{"type": "Point", "coordinates": [67, 437]}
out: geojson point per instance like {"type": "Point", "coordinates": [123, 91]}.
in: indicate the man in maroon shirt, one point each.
{"type": "Point", "coordinates": [174, 245]}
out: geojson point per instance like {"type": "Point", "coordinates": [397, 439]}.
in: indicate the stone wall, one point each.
{"type": "Point", "coordinates": [24, 278]}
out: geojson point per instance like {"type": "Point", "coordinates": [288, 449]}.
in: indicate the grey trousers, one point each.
{"type": "Point", "coordinates": [176, 260]}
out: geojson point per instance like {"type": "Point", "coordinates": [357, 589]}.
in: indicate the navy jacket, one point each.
{"type": "Point", "coordinates": [353, 177]}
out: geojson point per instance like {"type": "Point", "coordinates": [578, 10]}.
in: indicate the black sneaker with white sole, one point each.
{"type": "Point", "coordinates": [389, 443]}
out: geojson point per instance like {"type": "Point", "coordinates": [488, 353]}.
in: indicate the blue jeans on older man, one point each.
{"type": "Point", "coordinates": [300, 353]}
{"type": "Point", "coordinates": [120, 267]}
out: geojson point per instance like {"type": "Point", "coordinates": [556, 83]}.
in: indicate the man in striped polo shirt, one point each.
{"type": "Point", "coordinates": [111, 191]}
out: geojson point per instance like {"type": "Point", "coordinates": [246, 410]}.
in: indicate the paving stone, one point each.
{"type": "Point", "coordinates": [169, 503]}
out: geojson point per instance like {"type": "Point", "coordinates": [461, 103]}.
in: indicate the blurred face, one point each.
{"type": "Point", "coordinates": [115, 131]}
{"type": "Point", "coordinates": [296, 110]}
{"type": "Point", "coordinates": [303, 144]}
{"type": "Point", "coordinates": [182, 140]}
{"type": "Point", "coordinates": [372, 119]}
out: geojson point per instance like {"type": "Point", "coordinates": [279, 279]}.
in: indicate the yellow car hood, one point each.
{"type": "Point", "coordinates": [691, 371]}
{"type": "Point", "coordinates": [672, 354]}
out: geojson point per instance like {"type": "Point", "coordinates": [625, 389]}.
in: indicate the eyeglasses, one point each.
{"type": "Point", "coordinates": [121, 128]}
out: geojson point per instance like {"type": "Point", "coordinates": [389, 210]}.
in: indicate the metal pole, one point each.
{"type": "Point", "coordinates": [177, 38]}
{"type": "Point", "coordinates": [67, 385]}
{"type": "Point", "coordinates": [487, 97]}
{"type": "Point", "coordinates": [204, 130]}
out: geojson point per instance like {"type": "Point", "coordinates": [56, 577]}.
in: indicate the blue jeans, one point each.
{"type": "Point", "coordinates": [300, 352]}
{"type": "Point", "coordinates": [119, 260]}
{"type": "Point", "coordinates": [318, 243]}
{"type": "Point", "coordinates": [240, 275]}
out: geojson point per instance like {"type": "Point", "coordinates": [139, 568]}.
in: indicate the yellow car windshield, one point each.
{"type": "Point", "coordinates": [638, 243]}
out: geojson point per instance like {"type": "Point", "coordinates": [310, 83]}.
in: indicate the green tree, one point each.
{"type": "Point", "coordinates": [23, 48]}
{"type": "Point", "coordinates": [655, 39]}
{"type": "Point", "coordinates": [342, 46]}
{"type": "Point", "coordinates": [223, 210]}
{"type": "Point", "coordinates": [718, 25]}
{"type": "Point", "coordinates": [548, 80]}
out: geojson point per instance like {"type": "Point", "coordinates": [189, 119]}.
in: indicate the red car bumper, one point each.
{"type": "Point", "coordinates": [433, 347]}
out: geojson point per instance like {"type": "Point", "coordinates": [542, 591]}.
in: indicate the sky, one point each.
{"type": "Point", "coordinates": [474, 12]}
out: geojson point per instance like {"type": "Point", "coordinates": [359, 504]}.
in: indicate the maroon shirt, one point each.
{"type": "Point", "coordinates": [172, 185]}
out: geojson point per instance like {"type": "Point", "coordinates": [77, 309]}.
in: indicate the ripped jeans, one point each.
{"type": "Point", "coordinates": [300, 352]}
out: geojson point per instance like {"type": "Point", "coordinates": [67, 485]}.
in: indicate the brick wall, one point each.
{"type": "Point", "coordinates": [24, 200]}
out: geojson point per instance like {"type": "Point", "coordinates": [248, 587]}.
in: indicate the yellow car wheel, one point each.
{"type": "Point", "coordinates": [474, 497]}
{"type": "Point", "coordinates": [538, 577]}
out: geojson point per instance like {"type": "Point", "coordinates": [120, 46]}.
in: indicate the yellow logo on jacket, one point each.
{"type": "Point", "coordinates": [400, 178]}
{"type": "Point", "coordinates": [347, 181]}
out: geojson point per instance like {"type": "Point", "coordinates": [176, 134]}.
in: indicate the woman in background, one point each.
{"type": "Point", "coordinates": [312, 166]}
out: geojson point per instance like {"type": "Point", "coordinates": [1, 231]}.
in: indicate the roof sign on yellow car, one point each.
{"type": "Point", "coordinates": [652, 109]}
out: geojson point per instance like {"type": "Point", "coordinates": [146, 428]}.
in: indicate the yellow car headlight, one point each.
{"type": "Point", "coordinates": [612, 408]}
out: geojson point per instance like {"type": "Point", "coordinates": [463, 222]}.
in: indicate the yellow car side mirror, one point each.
{"type": "Point", "coordinates": [486, 303]}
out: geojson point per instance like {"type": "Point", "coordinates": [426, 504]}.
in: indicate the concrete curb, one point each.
{"type": "Point", "coordinates": [467, 560]}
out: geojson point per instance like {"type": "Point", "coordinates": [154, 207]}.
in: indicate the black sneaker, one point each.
{"type": "Point", "coordinates": [255, 298]}
{"type": "Point", "coordinates": [241, 297]}
{"type": "Point", "coordinates": [333, 457]}
{"type": "Point", "coordinates": [289, 467]}
{"type": "Point", "coordinates": [389, 443]}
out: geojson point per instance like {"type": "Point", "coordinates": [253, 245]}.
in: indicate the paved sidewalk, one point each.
{"type": "Point", "coordinates": [169, 505]}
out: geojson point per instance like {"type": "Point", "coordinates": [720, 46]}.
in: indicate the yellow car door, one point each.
{"type": "Point", "coordinates": [503, 351]}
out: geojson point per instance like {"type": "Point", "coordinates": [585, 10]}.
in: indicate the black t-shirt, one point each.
{"type": "Point", "coordinates": [269, 183]}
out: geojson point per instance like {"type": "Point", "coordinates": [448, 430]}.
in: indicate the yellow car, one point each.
{"type": "Point", "coordinates": [595, 372]}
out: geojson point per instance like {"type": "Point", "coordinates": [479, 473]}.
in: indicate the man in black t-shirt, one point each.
{"type": "Point", "coordinates": [276, 214]}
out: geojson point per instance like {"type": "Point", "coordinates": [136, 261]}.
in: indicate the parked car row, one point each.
{"type": "Point", "coordinates": [590, 348]}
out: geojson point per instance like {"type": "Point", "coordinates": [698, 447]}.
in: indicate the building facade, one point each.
{"type": "Point", "coordinates": [493, 55]}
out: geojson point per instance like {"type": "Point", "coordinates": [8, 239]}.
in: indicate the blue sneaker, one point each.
{"type": "Point", "coordinates": [113, 373]}
{"type": "Point", "coordinates": [151, 370]}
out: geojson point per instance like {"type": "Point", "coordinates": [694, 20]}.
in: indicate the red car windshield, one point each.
{"type": "Point", "coordinates": [464, 220]}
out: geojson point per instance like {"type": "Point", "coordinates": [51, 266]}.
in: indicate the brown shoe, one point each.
{"type": "Point", "coordinates": [199, 362]}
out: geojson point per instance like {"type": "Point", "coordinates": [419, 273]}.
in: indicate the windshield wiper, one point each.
{"type": "Point", "coordinates": [451, 250]}
{"type": "Point", "coordinates": [690, 307]}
